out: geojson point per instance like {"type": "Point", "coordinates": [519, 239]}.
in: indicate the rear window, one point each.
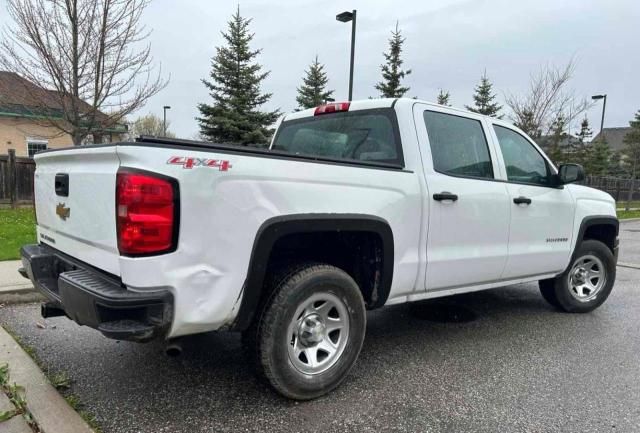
{"type": "Point", "coordinates": [458, 145]}
{"type": "Point", "coordinates": [367, 135]}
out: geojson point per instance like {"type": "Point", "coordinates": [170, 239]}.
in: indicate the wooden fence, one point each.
{"type": "Point", "coordinates": [16, 179]}
{"type": "Point", "coordinates": [617, 187]}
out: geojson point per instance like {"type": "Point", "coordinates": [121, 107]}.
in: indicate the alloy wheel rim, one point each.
{"type": "Point", "coordinates": [318, 333]}
{"type": "Point", "coordinates": [586, 278]}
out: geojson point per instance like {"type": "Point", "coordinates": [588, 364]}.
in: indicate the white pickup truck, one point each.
{"type": "Point", "coordinates": [354, 206]}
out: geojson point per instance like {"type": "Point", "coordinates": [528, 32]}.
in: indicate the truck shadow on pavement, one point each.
{"type": "Point", "coordinates": [414, 328]}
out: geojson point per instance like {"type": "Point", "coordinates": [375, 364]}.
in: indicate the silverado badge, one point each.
{"type": "Point", "coordinates": [63, 212]}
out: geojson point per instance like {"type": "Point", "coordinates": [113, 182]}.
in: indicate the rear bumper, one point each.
{"type": "Point", "coordinates": [94, 299]}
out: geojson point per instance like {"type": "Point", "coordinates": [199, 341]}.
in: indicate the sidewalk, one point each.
{"type": "Point", "coordinates": [14, 288]}
{"type": "Point", "coordinates": [49, 410]}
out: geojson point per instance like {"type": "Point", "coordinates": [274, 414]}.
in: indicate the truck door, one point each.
{"type": "Point", "coordinates": [468, 224]}
{"type": "Point", "coordinates": [541, 214]}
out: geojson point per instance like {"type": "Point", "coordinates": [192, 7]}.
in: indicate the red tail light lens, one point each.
{"type": "Point", "coordinates": [146, 208]}
{"type": "Point", "coordinates": [332, 108]}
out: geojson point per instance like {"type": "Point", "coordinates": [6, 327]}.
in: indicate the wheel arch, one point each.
{"type": "Point", "coordinates": [313, 226]}
{"type": "Point", "coordinates": [604, 228]}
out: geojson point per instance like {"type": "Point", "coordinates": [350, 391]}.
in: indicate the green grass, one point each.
{"type": "Point", "coordinates": [623, 214]}
{"type": "Point", "coordinates": [17, 228]}
{"type": "Point", "coordinates": [75, 403]}
{"type": "Point", "coordinates": [60, 381]}
{"type": "Point", "coordinates": [632, 204]}
{"type": "Point", "coordinates": [16, 395]}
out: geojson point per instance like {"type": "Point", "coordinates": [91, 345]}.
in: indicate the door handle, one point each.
{"type": "Point", "coordinates": [522, 200]}
{"type": "Point", "coordinates": [445, 195]}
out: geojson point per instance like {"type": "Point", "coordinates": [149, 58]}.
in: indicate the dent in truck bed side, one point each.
{"type": "Point", "coordinates": [276, 228]}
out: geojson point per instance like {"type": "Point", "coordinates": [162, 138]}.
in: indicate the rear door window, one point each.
{"type": "Point", "coordinates": [364, 135]}
{"type": "Point", "coordinates": [458, 145]}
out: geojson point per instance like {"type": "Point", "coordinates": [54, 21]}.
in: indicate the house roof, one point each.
{"type": "Point", "coordinates": [15, 90]}
{"type": "Point", "coordinates": [614, 137]}
{"type": "Point", "coordinates": [20, 97]}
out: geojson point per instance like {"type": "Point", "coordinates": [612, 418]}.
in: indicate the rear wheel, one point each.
{"type": "Point", "coordinates": [310, 331]}
{"type": "Point", "coordinates": [586, 283]}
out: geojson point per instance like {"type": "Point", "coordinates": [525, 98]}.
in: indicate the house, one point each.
{"type": "Point", "coordinates": [24, 109]}
{"type": "Point", "coordinates": [614, 137]}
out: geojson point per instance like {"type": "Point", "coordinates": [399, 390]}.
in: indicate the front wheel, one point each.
{"type": "Point", "coordinates": [586, 283]}
{"type": "Point", "coordinates": [310, 332]}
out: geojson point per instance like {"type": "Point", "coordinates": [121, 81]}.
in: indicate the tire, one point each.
{"type": "Point", "coordinates": [310, 331]}
{"type": "Point", "coordinates": [586, 283]}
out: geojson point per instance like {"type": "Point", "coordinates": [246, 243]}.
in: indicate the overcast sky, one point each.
{"type": "Point", "coordinates": [448, 45]}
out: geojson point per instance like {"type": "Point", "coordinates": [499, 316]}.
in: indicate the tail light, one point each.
{"type": "Point", "coordinates": [147, 213]}
{"type": "Point", "coordinates": [332, 108]}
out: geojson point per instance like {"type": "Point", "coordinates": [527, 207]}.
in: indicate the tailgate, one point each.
{"type": "Point", "coordinates": [75, 204]}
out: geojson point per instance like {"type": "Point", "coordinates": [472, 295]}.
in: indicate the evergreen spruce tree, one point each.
{"type": "Point", "coordinates": [580, 148]}
{"type": "Point", "coordinates": [585, 132]}
{"type": "Point", "coordinates": [554, 143]}
{"type": "Point", "coordinates": [234, 84]}
{"type": "Point", "coordinates": [632, 152]}
{"type": "Point", "coordinates": [617, 167]}
{"type": "Point", "coordinates": [528, 124]}
{"type": "Point", "coordinates": [632, 139]}
{"type": "Point", "coordinates": [313, 91]}
{"type": "Point", "coordinates": [598, 158]}
{"type": "Point", "coordinates": [483, 99]}
{"type": "Point", "coordinates": [443, 98]}
{"type": "Point", "coordinates": [392, 72]}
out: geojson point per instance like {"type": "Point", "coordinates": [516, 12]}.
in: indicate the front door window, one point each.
{"type": "Point", "coordinates": [523, 162]}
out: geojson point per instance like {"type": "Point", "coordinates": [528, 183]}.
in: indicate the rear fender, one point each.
{"type": "Point", "coordinates": [278, 227]}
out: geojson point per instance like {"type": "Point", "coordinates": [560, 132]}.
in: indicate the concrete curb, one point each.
{"type": "Point", "coordinates": [20, 294]}
{"type": "Point", "coordinates": [48, 407]}
{"type": "Point", "coordinates": [14, 288]}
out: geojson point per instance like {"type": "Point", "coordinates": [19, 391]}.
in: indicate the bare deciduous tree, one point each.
{"type": "Point", "coordinates": [547, 99]}
{"type": "Point", "coordinates": [85, 58]}
{"type": "Point", "coordinates": [150, 124]}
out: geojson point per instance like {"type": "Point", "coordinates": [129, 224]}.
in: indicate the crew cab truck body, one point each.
{"type": "Point", "coordinates": [353, 206]}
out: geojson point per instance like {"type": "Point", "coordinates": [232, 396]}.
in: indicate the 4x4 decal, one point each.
{"type": "Point", "coordinates": [189, 163]}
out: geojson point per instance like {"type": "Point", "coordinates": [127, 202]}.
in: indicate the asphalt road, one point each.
{"type": "Point", "coordinates": [501, 360]}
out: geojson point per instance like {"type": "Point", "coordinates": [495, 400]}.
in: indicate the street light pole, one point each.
{"type": "Point", "coordinates": [353, 53]}
{"type": "Point", "coordinates": [604, 107]}
{"type": "Point", "coordinates": [346, 17]}
{"type": "Point", "coordinates": [164, 120]}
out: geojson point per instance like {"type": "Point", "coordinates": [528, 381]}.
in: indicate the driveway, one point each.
{"type": "Point", "coordinates": [501, 360]}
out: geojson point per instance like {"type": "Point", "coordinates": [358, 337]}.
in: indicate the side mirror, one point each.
{"type": "Point", "coordinates": [569, 173]}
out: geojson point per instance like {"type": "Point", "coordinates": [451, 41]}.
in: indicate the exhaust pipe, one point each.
{"type": "Point", "coordinates": [50, 309]}
{"type": "Point", "coordinates": [174, 349]}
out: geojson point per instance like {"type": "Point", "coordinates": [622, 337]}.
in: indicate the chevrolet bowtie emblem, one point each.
{"type": "Point", "coordinates": [63, 212]}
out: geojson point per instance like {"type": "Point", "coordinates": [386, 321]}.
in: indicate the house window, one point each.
{"type": "Point", "coordinates": [35, 145]}
{"type": "Point", "coordinates": [88, 140]}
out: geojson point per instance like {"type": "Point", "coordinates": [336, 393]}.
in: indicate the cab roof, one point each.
{"type": "Point", "coordinates": [367, 104]}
